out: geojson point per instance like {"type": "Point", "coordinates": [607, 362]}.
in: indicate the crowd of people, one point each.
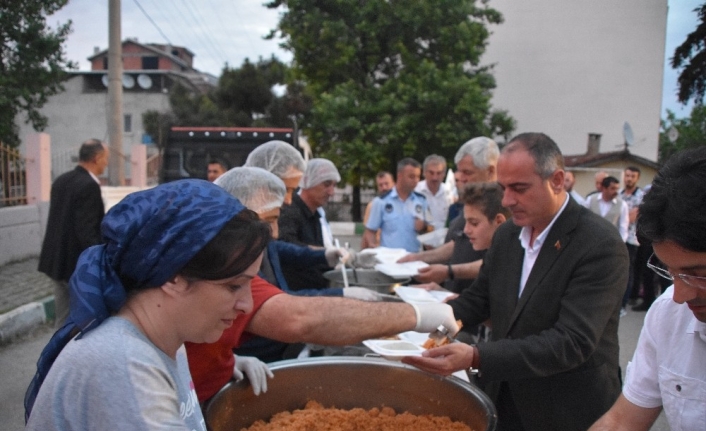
{"type": "Point", "coordinates": [196, 283]}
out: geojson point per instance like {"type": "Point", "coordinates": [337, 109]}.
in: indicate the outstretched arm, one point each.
{"type": "Point", "coordinates": [626, 416]}
{"type": "Point", "coordinates": [341, 321]}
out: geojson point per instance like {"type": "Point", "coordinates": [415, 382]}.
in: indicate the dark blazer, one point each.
{"type": "Point", "coordinates": [283, 253]}
{"type": "Point", "coordinates": [75, 214]}
{"type": "Point", "coordinates": [556, 345]}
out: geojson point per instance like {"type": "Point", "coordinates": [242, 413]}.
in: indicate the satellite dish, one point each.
{"type": "Point", "coordinates": [128, 81]}
{"type": "Point", "coordinates": [105, 81]}
{"type": "Point", "coordinates": [144, 81]}
{"type": "Point", "coordinates": [627, 134]}
{"type": "Point", "coordinates": [673, 134]}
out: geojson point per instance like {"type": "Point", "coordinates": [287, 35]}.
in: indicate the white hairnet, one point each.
{"type": "Point", "coordinates": [318, 171]}
{"type": "Point", "coordinates": [257, 189]}
{"type": "Point", "coordinates": [278, 157]}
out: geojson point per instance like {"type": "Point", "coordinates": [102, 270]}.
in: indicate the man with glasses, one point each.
{"type": "Point", "coordinates": [668, 368]}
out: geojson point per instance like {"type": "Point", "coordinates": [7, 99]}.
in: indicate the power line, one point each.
{"type": "Point", "coordinates": [153, 23]}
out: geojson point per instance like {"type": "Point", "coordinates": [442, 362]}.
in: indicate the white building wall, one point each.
{"type": "Point", "coordinates": [75, 116]}
{"type": "Point", "coordinates": [569, 68]}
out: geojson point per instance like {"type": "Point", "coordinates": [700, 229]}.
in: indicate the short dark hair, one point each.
{"type": "Point", "coordinates": [634, 169]}
{"type": "Point", "coordinates": [383, 174]}
{"type": "Point", "coordinates": [407, 161]}
{"type": "Point", "coordinates": [487, 197]}
{"type": "Point", "coordinates": [223, 164]}
{"type": "Point", "coordinates": [90, 149]}
{"type": "Point", "coordinates": [674, 209]}
{"type": "Point", "coordinates": [545, 152]}
{"type": "Point", "coordinates": [236, 246]}
{"type": "Point", "coordinates": [607, 181]}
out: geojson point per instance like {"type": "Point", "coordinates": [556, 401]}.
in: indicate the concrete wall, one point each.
{"type": "Point", "coordinates": [569, 68]}
{"type": "Point", "coordinates": [22, 231]}
{"type": "Point", "coordinates": [22, 227]}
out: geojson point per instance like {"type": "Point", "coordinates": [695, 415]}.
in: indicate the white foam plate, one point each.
{"type": "Point", "coordinates": [434, 238]}
{"type": "Point", "coordinates": [400, 270]}
{"type": "Point", "coordinates": [386, 255]}
{"type": "Point", "coordinates": [394, 350]}
{"type": "Point", "coordinates": [415, 295]}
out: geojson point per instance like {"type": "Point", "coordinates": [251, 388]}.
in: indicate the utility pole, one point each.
{"type": "Point", "coordinates": [115, 95]}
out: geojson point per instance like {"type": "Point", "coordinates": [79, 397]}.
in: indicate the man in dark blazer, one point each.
{"type": "Point", "coordinates": [551, 284]}
{"type": "Point", "coordinates": [75, 214]}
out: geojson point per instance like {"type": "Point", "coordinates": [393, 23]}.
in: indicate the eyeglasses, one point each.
{"type": "Point", "coordinates": [691, 280]}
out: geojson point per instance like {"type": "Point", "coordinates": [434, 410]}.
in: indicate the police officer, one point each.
{"type": "Point", "coordinates": [400, 214]}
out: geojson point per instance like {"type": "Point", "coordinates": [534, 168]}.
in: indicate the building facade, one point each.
{"type": "Point", "coordinates": [81, 112]}
{"type": "Point", "coordinates": [570, 68]}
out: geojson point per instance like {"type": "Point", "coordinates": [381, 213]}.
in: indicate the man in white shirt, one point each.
{"type": "Point", "coordinates": [435, 190]}
{"type": "Point", "coordinates": [667, 370]}
{"type": "Point", "coordinates": [610, 206]}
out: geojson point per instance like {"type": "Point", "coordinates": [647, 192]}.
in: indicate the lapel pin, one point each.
{"type": "Point", "coordinates": [557, 245]}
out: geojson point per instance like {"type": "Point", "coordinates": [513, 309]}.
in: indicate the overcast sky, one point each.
{"type": "Point", "coordinates": [228, 31]}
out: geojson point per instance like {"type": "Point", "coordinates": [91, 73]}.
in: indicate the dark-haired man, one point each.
{"type": "Point", "coordinates": [215, 169]}
{"type": "Point", "coordinates": [611, 207]}
{"type": "Point", "coordinates": [667, 370]}
{"type": "Point", "coordinates": [632, 195]}
{"type": "Point", "coordinates": [400, 214]}
{"type": "Point", "coordinates": [551, 284]}
{"type": "Point", "coordinates": [75, 214]}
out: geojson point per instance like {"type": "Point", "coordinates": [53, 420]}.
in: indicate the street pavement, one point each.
{"type": "Point", "coordinates": [21, 284]}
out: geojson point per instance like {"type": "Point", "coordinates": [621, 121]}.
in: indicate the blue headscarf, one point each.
{"type": "Point", "coordinates": [149, 236]}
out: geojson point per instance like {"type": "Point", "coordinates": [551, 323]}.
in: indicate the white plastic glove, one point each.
{"type": "Point", "coordinates": [256, 370]}
{"type": "Point", "coordinates": [431, 315]}
{"type": "Point", "coordinates": [336, 254]}
{"type": "Point", "coordinates": [361, 293]}
{"type": "Point", "coordinates": [366, 260]}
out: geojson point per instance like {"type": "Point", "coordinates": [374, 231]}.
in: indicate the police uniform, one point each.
{"type": "Point", "coordinates": [395, 219]}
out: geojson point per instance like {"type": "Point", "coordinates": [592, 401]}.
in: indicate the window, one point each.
{"type": "Point", "coordinates": [105, 62]}
{"type": "Point", "coordinates": [127, 123]}
{"type": "Point", "coordinates": [150, 63]}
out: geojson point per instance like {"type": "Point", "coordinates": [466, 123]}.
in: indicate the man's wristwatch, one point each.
{"type": "Point", "coordinates": [451, 272]}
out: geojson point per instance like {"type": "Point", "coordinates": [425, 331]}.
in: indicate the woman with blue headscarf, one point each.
{"type": "Point", "coordinates": [176, 266]}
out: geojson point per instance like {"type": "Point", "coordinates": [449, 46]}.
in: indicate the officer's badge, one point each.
{"type": "Point", "coordinates": [388, 208]}
{"type": "Point", "coordinates": [418, 209]}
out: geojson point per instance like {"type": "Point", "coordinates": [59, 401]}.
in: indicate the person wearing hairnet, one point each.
{"type": "Point", "coordinates": [304, 222]}
{"type": "Point", "coordinates": [281, 159]}
{"type": "Point", "coordinates": [263, 193]}
{"type": "Point", "coordinates": [289, 318]}
{"type": "Point", "coordinates": [285, 162]}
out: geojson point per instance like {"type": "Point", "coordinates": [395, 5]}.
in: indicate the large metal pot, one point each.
{"type": "Point", "coordinates": [370, 278]}
{"type": "Point", "coordinates": [349, 382]}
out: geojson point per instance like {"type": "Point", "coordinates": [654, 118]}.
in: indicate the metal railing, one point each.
{"type": "Point", "coordinates": [13, 178]}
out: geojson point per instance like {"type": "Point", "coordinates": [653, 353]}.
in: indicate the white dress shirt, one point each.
{"type": "Point", "coordinates": [532, 250]}
{"type": "Point", "coordinates": [667, 368]}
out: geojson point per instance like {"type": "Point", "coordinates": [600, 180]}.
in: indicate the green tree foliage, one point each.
{"type": "Point", "coordinates": [244, 97]}
{"type": "Point", "coordinates": [691, 132]}
{"type": "Point", "coordinates": [690, 57]}
{"type": "Point", "coordinates": [33, 64]}
{"type": "Point", "coordinates": [391, 78]}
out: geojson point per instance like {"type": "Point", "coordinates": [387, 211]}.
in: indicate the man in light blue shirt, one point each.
{"type": "Point", "coordinates": [400, 214]}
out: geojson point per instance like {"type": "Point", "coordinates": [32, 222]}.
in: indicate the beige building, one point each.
{"type": "Point", "coordinates": [570, 68]}
{"type": "Point", "coordinates": [82, 110]}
